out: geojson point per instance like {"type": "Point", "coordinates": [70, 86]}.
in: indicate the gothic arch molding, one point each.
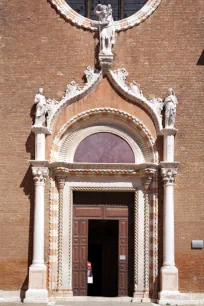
{"type": "Point", "coordinates": [117, 78]}
{"type": "Point", "coordinates": [128, 127]}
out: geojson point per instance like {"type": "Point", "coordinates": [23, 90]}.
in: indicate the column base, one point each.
{"type": "Point", "coordinates": [169, 279]}
{"type": "Point", "coordinates": [138, 296]}
{"type": "Point", "coordinates": [37, 292]}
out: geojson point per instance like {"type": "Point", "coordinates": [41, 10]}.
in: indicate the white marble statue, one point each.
{"type": "Point", "coordinates": [170, 104]}
{"type": "Point", "coordinates": [41, 108]}
{"type": "Point", "coordinates": [106, 28]}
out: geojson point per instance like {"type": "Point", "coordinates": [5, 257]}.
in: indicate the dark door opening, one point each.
{"type": "Point", "coordinates": [103, 255]}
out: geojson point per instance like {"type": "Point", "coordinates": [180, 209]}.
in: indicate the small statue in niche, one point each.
{"type": "Point", "coordinates": [106, 28]}
{"type": "Point", "coordinates": [170, 104]}
{"type": "Point", "coordinates": [41, 108]}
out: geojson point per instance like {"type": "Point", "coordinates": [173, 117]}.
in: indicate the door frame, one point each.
{"type": "Point", "coordinates": [60, 267]}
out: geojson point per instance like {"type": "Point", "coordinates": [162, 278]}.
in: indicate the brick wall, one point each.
{"type": "Point", "coordinates": [39, 48]}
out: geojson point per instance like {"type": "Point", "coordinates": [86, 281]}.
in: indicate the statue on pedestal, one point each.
{"type": "Point", "coordinates": [170, 104]}
{"type": "Point", "coordinates": [41, 108]}
{"type": "Point", "coordinates": [106, 28]}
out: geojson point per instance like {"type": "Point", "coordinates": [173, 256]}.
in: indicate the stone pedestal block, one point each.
{"type": "Point", "coordinates": [37, 292]}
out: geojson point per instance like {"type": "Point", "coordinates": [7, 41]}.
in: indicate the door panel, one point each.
{"type": "Point", "coordinates": [92, 206]}
{"type": "Point", "coordinates": [123, 258]}
{"type": "Point", "coordinates": [80, 253]}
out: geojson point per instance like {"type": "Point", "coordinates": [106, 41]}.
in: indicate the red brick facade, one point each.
{"type": "Point", "coordinates": [39, 48]}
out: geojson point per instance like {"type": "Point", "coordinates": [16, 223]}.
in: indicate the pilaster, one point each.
{"type": "Point", "coordinates": [61, 183]}
{"type": "Point", "coordinates": [146, 184]}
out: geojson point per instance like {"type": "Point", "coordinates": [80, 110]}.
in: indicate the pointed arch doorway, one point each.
{"type": "Point", "coordinates": [84, 162]}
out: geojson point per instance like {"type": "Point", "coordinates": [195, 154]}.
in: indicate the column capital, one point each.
{"type": "Point", "coordinates": [146, 181]}
{"type": "Point", "coordinates": [61, 182]}
{"type": "Point", "coordinates": [40, 174]}
{"type": "Point", "coordinates": [40, 130]}
{"type": "Point", "coordinates": [169, 131]}
{"type": "Point", "coordinates": [169, 175]}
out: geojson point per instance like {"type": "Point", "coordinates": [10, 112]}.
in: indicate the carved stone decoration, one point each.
{"type": "Point", "coordinates": [72, 93]}
{"type": "Point", "coordinates": [61, 183]}
{"type": "Point", "coordinates": [106, 34]}
{"type": "Point", "coordinates": [135, 88]}
{"type": "Point", "coordinates": [120, 25]}
{"type": "Point", "coordinates": [108, 112]}
{"type": "Point", "coordinates": [118, 79]}
{"type": "Point", "coordinates": [170, 104]}
{"type": "Point", "coordinates": [89, 73]}
{"type": "Point", "coordinates": [169, 175]}
{"type": "Point", "coordinates": [70, 225]}
{"type": "Point", "coordinates": [41, 109]}
{"type": "Point", "coordinates": [40, 174]}
{"type": "Point", "coordinates": [136, 244]}
{"type": "Point", "coordinates": [158, 105]}
{"type": "Point", "coordinates": [133, 93]}
{"type": "Point", "coordinates": [51, 107]}
{"type": "Point", "coordinates": [120, 75]}
{"type": "Point", "coordinates": [146, 183]}
{"type": "Point", "coordinates": [72, 90]}
{"type": "Point", "coordinates": [106, 28]}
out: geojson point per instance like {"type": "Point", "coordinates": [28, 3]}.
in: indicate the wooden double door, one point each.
{"type": "Point", "coordinates": [103, 235]}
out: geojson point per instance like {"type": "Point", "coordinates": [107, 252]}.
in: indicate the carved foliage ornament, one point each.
{"type": "Point", "coordinates": [169, 175]}
{"type": "Point", "coordinates": [40, 174]}
{"type": "Point", "coordinates": [47, 109]}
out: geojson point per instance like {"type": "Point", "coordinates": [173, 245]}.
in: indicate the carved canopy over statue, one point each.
{"type": "Point", "coordinates": [106, 28]}
{"type": "Point", "coordinates": [170, 104]}
{"type": "Point", "coordinates": [41, 108]}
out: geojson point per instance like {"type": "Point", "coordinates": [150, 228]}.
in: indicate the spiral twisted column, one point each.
{"type": "Point", "coordinates": [136, 225]}
{"type": "Point", "coordinates": [146, 183]}
{"type": "Point", "coordinates": [61, 183]}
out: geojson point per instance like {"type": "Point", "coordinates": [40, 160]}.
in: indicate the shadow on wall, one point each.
{"type": "Point", "coordinates": [28, 188]}
{"type": "Point", "coordinates": [201, 60]}
{"type": "Point", "coordinates": [27, 185]}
